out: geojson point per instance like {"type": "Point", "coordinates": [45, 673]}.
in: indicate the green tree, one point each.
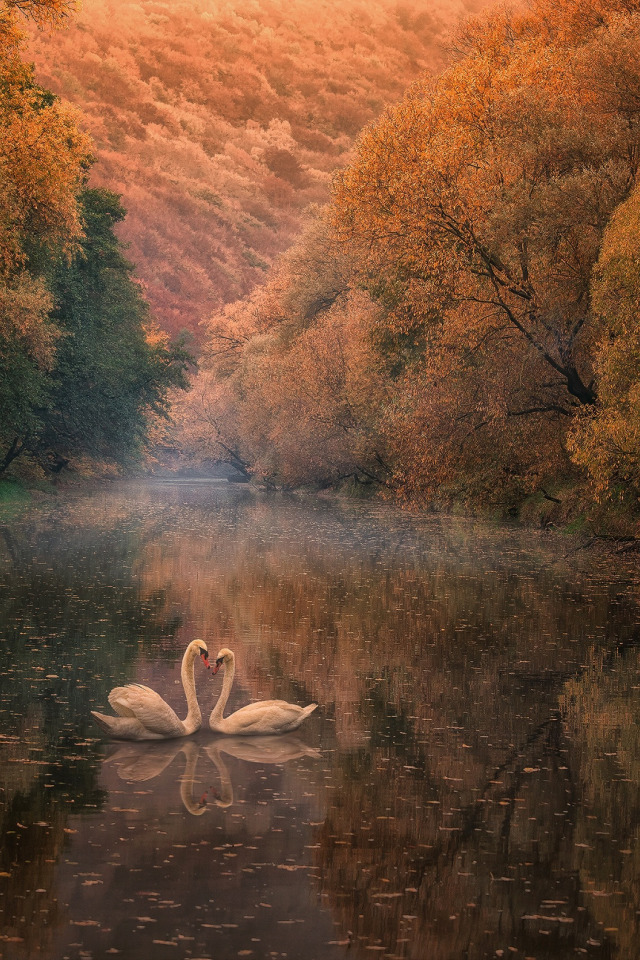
{"type": "Point", "coordinates": [44, 159]}
{"type": "Point", "coordinates": [112, 371]}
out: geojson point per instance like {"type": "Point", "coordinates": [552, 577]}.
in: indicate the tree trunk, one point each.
{"type": "Point", "coordinates": [14, 451]}
{"type": "Point", "coordinates": [577, 388]}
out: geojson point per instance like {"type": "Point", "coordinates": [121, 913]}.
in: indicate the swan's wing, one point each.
{"type": "Point", "coordinates": [118, 701]}
{"type": "Point", "coordinates": [148, 707]}
{"type": "Point", "coordinates": [124, 728]}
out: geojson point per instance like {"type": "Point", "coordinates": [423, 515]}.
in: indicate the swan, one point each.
{"type": "Point", "coordinates": [261, 718]}
{"type": "Point", "coordinates": [142, 714]}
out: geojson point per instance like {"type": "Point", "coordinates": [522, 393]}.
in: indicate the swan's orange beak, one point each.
{"type": "Point", "coordinates": [205, 659]}
{"type": "Point", "coordinates": [217, 666]}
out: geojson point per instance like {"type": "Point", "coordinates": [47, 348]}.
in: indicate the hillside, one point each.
{"type": "Point", "coordinates": [219, 124]}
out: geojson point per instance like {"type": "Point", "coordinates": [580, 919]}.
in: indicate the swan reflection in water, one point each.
{"type": "Point", "coordinates": [276, 749]}
{"type": "Point", "coordinates": [138, 763]}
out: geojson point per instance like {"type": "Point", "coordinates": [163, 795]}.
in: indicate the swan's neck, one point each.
{"type": "Point", "coordinates": [193, 720]}
{"type": "Point", "coordinates": [218, 710]}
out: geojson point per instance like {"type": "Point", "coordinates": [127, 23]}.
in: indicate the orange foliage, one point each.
{"type": "Point", "coordinates": [42, 11]}
{"type": "Point", "coordinates": [606, 442]}
{"type": "Point", "coordinates": [43, 163]}
{"type": "Point", "coordinates": [43, 159]}
{"type": "Point", "coordinates": [218, 124]}
{"type": "Point", "coordinates": [476, 210]}
{"type": "Point", "coordinates": [288, 385]}
{"type": "Point", "coordinates": [463, 238]}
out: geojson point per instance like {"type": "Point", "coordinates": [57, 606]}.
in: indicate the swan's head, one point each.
{"type": "Point", "coordinates": [200, 650]}
{"type": "Point", "coordinates": [224, 656]}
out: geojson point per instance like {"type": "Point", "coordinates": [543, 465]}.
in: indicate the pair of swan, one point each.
{"type": "Point", "coordinates": [142, 714]}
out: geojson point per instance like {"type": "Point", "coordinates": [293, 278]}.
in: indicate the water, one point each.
{"type": "Point", "coordinates": [468, 787]}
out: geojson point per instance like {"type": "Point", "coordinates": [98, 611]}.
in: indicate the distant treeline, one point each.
{"type": "Point", "coordinates": [461, 323]}
{"type": "Point", "coordinates": [83, 371]}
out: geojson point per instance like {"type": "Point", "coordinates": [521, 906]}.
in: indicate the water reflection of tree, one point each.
{"type": "Point", "coordinates": [412, 865]}
{"type": "Point", "coordinates": [73, 616]}
{"type": "Point", "coordinates": [440, 651]}
{"type": "Point", "coordinates": [458, 802]}
{"type": "Point", "coordinates": [37, 802]}
{"type": "Point", "coordinates": [603, 722]}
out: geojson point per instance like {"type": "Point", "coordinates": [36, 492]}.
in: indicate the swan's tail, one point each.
{"type": "Point", "coordinates": [307, 710]}
{"type": "Point", "coordinates": [105, 723]}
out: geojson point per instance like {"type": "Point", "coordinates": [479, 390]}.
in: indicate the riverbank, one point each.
{"type": "Point", "coordinates": [563, 509]}
{"type": "Point", "coordinates": [14, 497]}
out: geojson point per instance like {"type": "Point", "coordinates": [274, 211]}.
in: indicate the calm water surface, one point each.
{"type": "Point", "coordinates": [468, 787]}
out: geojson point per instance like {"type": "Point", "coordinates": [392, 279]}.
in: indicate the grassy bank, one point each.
{"type": "Point", "coordinates": [14, 497]}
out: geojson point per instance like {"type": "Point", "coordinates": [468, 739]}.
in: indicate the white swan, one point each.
{"type": "Point", "coordinates": [142, 714]}
{"type": "Point", "coordinates": [261, 718]}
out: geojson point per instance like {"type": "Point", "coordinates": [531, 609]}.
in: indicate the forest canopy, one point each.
{"type": "Point", "coordinates": [81, 371]}
{"type": "Point", "coordinates": [219, 122]}
{"type": "Point", "coordinates": [461, 320]}
{"type": "Point", "coordinates": [457, 320]}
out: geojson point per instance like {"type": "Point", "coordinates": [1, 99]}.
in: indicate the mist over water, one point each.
{"type": "Point", "coordinates": [468, 786]}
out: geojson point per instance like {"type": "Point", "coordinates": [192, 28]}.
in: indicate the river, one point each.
{"type": "Point", "coordinates": [469, 786]}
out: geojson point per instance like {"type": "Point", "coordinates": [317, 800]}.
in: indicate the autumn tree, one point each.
{"type": "Point", "coordinates": [43, 163]}
{"type": "Point", "coordinates": [606, 441]}
{"type": "Point", "coordinates": [479, 340]}
{"type": "Point", "coordinates": [81, 369]}
{"type": "Point", "coordinates": [476, 209]}
{"type": "Point", "coordinates": [288, 388]}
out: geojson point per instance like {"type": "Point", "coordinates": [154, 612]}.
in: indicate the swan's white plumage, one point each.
{"type": "Point", "coordinates": [142, 714]}
{"type": "Point", "coordinates": [148, 708]}
{"type": "Point", "coordinates": [264, 718]}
